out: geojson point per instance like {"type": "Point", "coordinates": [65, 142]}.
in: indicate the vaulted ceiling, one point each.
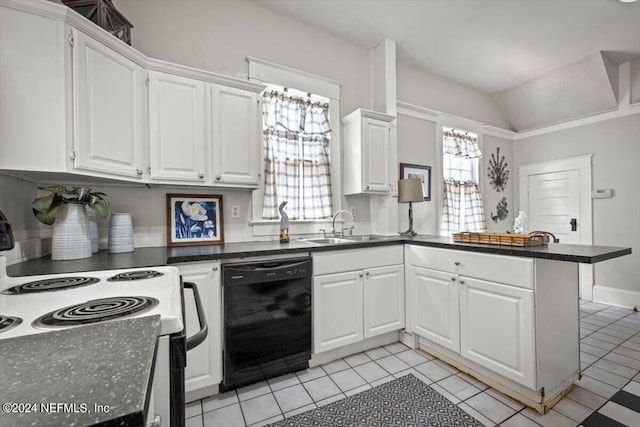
{"type": "Point", "coordinates": [490, 45]}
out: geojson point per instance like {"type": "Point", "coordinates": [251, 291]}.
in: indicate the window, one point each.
{"type": "Point", "coordinates": [463, 208]}
{"type": "Point", "coordinates": [297, 138]}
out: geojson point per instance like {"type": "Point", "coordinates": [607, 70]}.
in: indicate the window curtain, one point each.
{"type": "Point", "coordinates": [473, 208]}
{"type": "Point", "coordinates": [297, 136]}
{"type": "Point", "coordinates": [460, 144]}
{"type": "Point", "coordinates": [451, 207]}
{"type": "Point", "coordinates": [462, 197]}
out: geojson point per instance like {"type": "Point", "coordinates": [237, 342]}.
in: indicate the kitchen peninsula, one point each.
{"type": "Point", "coordinates": [506, 315]}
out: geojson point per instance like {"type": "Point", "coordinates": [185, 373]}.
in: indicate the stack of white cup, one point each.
{"type": "Point", "coordinates": [121, 233]}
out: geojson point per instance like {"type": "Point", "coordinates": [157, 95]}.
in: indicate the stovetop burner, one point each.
{"type": "Point", "coordinates": [53, 284]}
{"type": "Point", "coordinates": [135, 275]}
{"type": "Point", "coordinates": [97, 310]}
{"type": "Point", "coordinates": [8, 322]}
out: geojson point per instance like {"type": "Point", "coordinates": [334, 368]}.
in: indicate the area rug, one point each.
{"type": "Point", "coordinates": [406, 401]}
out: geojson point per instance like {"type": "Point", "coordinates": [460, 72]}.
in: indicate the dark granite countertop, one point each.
{"type": "Point", "coordinates": [149, 257]}
{"type": "Point", "coordinates": [109, 364]}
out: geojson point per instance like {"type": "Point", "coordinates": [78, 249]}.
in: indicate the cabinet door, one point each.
{"type": "Point", "coordinates": [375, 140]}
{"type": "Point", "coordinates": [383, 300]}
{"type": "Point", "coordinates": [496, 328]}
{"type": "Point", "coordinates": [177, 117]}
{"type": "Point", "coordinates": [108, 110]}
{"type": "Point", "coordinates": [204, 363]}
{"type": "Point", "coordinates": [337, 310]}
{"type": "Point", "coordinates": [236, 127]}
{"type": "Point", "coordinates": [435, 306]}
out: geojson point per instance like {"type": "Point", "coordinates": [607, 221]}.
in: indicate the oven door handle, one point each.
{"type": "Point", "coordinates": [197, 338]}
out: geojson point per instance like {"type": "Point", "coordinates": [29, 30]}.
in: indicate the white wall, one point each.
{"type": "Point", "coordinates": [419, 87]}
{"type": "Point", "coordinates": [16, 197]}
{"type": "Point", "coordinates": [490, 195]}
{"type": "Point", "coordinates": [417, 145]}
{"type": "Point", "coordinates": [615, 145]}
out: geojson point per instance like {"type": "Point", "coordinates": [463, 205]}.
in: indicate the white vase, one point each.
{"type": "Point", "coordinates": [71, 239]}
{"type": "Point", "coordinates": [121, 233]}
{"type": "Point", "coordinates": [93, 229]}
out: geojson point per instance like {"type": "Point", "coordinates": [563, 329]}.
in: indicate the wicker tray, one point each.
{"type": "Point", "coordinates": [505, 239]}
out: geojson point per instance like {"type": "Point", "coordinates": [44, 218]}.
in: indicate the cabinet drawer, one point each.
{"type": "Point", "coordinates": [356, 259]}
{"type": "Point", "coordinates": [497, 268]}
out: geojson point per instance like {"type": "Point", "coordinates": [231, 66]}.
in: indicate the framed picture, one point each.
{"type": "Point", "coordinates": [417, 171]}
{"type": "Point", "coordinates": [194, 219]}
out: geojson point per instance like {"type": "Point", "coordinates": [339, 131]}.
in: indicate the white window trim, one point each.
{"type": "Point", "coordinates": [270, 73]}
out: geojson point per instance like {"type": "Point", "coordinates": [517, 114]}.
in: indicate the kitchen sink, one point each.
{"type": "Point", "coordinates": [365, 238]}
{"type": "Point", "coordinates": [329, 240]}
{"type": "Point", "coordinates": [343, 240]}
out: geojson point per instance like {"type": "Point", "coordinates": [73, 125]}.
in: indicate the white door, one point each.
{"type": "Point", "coordinates": [337, 310]}
{"type": "Point", "coordinates": [177, 130]}
{"type": "Point", "coordinates": [376, 140]}
{"type": "Point", "coordinates": [435, 310]}
{"type": "Point", "coordinates": [383, 300]}
{"type": "Point", "coordinates": [108, 112]}
{"type": "Point", "coordinates": [236, 136]}
{"type": "Point", "coordinates": [554, 204]}
{"type": "Point", "coordinates": [496, 328]}
{"type": "Point", "coordinates": [204, 363]}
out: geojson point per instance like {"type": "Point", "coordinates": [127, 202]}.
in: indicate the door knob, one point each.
{"type": "Point", "coordinates": [574, 224]}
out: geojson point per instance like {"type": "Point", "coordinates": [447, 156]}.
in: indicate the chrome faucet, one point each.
{"type": "Point", "coordinates": [333, 225]}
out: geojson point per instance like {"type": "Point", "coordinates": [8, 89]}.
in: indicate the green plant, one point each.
{"type": "Point", "coordinates": [44, 208]}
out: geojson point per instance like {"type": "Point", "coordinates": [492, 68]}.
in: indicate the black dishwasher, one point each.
{"type": "Point", "coordinates": [267, 319]}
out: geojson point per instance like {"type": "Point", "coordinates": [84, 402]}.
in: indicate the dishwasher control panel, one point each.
{"type": "Point", "coordinates": [266, 271]}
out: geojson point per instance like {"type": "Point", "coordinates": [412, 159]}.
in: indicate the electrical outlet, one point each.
{"type": "Point", "coordinates": [235, 211]}
{"type": "Point", "coordinates": [352, 210]}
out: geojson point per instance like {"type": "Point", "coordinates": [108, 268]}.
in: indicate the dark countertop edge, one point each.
{"type": "Point", "coordinates": [525, 252]}
{"type": "Point", "coordinates": [177, 259]}
{"type": "Point", "coordinates": [157, 256]}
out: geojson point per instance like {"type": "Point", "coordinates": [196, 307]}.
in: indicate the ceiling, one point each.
{"type": "Point", "coordinates": [490, 45]}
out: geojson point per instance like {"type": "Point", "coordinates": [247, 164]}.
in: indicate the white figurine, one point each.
{"type": "Point", "coordinates": [518, 226]}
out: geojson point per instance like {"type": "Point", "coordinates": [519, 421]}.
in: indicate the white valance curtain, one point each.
{"type": "Point", "coordinates": [297, 136]}
{"type": "Point", "coordinates": [460, 144]}
{"type": "Point", "coordinates": [461, 198]}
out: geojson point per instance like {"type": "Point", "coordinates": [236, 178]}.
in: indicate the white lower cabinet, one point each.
{"type": "Point", "coordinates": [497, 328]}
{"type": "Point", "coordinates": [337, 310]}
{"type": "Point", "coordinates": [512, 322]}
{"type": "Point", "coordinates": [435, 306]}
{"type": "Point", "coordinates": [204, 363]}
{"type": "Point", "coordinates": [353, 299]}
{"type": "Point", "coordinates": [383, 300]}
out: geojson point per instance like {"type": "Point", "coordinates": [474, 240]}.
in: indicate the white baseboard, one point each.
{"type": "Point", "coordinates": [618, 297]}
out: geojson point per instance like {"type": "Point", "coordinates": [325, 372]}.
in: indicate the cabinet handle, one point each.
{"type": "Point", "coordinates": [368, 186]}
{"type": "Point", "coordinates": [139, 172]}
{"type": "Point", "coordinates": [360, 274]}
{"type": "Point", "coordinates": [457, 263]}
{"type": "Point", "coordinates": [453, 279]}
{"type": "Point", "coordinates": [214, 268]}
{"type": "Point", "coordinates": [200, 175]}
{"type": "Point", "coordinates": [367, 273]}
{"type": "Point", "coordinates": [217, 177]}
{"type": "Point", "coordinates": [461, 282]}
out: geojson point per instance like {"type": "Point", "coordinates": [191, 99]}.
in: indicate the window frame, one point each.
{"type": "Point", "coordinates": [460, 124]}
{"type": "Point", "coordinates": [269, 73]}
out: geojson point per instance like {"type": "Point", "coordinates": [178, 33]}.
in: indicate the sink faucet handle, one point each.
{"type": "Point", "coordinates": [349, 229]}
{"type": "Point", "coordinates": [324, 232]}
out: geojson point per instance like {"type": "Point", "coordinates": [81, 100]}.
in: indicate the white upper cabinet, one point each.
{"type": "Point", "coordinates": [74, 100]}
{"type": "Point", "coordinates": [109, 98]}
{"type": "Point", "coordinates": [367, 152]}
{"type": "Point", "coordinates": [177, 128]}
{"type": "Point", "coordinates": [235, 130]}
{"type": "Point", "coordinates": [34, 131]}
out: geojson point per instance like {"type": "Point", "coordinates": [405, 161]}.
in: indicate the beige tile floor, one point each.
{"type": "Point", "coordinates": [610, 360]}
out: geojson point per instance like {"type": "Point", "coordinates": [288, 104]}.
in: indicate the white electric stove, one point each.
{"type": "Point", "coordinates": [39, 304]}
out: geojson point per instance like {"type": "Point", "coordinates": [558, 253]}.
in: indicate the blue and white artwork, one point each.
{"type": "Point", "coordinates": [195, 220]}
